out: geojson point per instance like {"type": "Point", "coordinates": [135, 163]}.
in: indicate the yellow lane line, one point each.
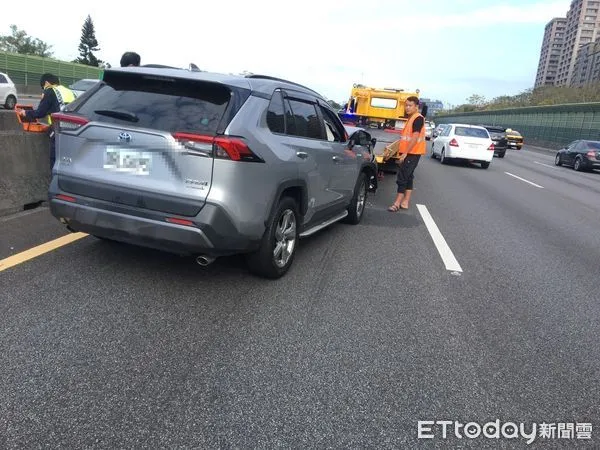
{"type": "Point", "coordinates": [34, 252]}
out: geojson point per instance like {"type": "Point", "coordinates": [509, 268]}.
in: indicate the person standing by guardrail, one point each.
{"type": "Point", "coordinates": [54, 98]}
{"type": "Point", "coordinates": [412, 145]}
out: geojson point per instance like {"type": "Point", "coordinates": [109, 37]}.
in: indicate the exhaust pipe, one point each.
{"type": "Point", "coordinates": [205, 260]}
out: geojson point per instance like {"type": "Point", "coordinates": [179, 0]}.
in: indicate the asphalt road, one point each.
{"type": "Point", "coordinates": [106, 345]}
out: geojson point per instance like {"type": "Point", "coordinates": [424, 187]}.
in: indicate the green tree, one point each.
{"type": "Point", "coordinates": [20, 42]}
{"type": "Point", "coordinates": [476, 100]}
{"type": "Point", "coordinates": [88, 45]}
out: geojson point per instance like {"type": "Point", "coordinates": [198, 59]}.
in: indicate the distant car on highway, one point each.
{"type": "Point", "coordinates": [581, 155]}
{"type": "Point", "coordinates": [428, 130]}
{"type": "Point", "coordinates": [499, 139]}
{"type": "Point", "coordinates": [8, 92]}
{"type": "Point", "coordinates": [515, 139]}
{"type": "Point", "coordinates": [80, 86]}
{"type": "Point", "coordinates": [461, 141]}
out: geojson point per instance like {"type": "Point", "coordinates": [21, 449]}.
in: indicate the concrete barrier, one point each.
{"type": "Point", "coordinates": [28, 90]}
{"type": "Point", "coordinates": [24, 165]}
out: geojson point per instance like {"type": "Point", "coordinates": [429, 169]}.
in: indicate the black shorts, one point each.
{"type": "Point", "coordinates": [406, 172]}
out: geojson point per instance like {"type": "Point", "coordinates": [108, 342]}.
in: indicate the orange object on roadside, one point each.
{"type": "Point", "coordinates": [32, 127]}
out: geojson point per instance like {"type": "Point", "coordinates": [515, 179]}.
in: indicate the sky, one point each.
{"type": "Point", "coordinates": [448, 50]}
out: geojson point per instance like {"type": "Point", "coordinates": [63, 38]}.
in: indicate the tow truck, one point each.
{"type": "Point", "coordinates": [377, 108]}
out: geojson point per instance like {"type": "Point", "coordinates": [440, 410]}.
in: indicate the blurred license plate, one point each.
{"type": "Point", "coordinates": [473, 146]}
{"type": "Point", "coordinates": [128, 161]}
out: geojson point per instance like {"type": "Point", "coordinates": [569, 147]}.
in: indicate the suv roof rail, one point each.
{"type": "Point", "coordinates": [267, 77]}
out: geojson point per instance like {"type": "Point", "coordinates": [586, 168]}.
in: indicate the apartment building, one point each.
{"type": "Point", "coordinates": [554, 34]}
{"type": "Point", "coordinates": [582, 27]}
{"type": "Point", "coordinates": [587, 65]}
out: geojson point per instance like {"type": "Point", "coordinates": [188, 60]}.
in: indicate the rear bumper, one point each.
{"type": "Point", "coordinates": [591, 164]}
{"type": "Point", "coordinates": [500, 146]}
{"type": "Point", "coordinates": [212, 232]}
{"type": "Point", "coordinates": [474, 155]}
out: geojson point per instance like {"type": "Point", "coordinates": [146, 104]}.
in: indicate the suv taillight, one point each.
{"type": "Point", "coordinates": [68, 122]}
{"type": "Point", "coordinates": [453, 143]}
{"type": "Point", "coordinates": [222, 147]}
{"type": "Point", "coordinates": [491, 147]}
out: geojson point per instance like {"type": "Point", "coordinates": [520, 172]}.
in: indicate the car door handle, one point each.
{"type": "Point", "coordinates": [302, 155]}
{"type": "Point", "coordinates": [336, 158]}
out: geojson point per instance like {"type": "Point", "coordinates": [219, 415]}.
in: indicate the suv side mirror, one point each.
{"type": "Point", "coordinates": [351, 143]}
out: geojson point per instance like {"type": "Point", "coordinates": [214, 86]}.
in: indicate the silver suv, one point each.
{"type": "Point", "coordinates": [205, 164]}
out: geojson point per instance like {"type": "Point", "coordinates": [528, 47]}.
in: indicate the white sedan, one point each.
{"type": "Point", "coordinates": [8, 92]}
{"type": "Point", "coordinates": [469, 142]}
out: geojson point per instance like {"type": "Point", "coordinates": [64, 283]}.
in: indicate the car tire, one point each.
{"type": "Point", "coordinates": [282, 232]}
{"type": "Point", "coordinates": [485, 164]}
{"type": "Point", "coordinates": [443, 158]}
{"type": "Point", "coordinates": [578, 165]}
{"type": "Point", "coordinates": [357, 206]}
{"type": "Point", "coordinates": [557, 160]}
{"type": "Point", "coordinates": [11, 102]}
{"type": "Point", "coordinates": [432, 153]}
{"type": "Point", "coordinates": [501, 155]}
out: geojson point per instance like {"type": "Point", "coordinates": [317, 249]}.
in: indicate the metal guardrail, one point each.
{"type": "Point", "coordinates": [26, 70]}
{"type": "Point", "coordinates": [547, 126]}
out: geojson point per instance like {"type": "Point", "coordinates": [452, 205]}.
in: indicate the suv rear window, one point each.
{"type": "Point", "coordinates": [471, 132]}
{"type": "Point", "coordinates": [158, 102]}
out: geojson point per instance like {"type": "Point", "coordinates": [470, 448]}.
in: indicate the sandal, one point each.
{"type": "Point", "coordinates": [394, 208]}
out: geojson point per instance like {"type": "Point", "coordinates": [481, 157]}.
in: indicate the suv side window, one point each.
{"type": "Point", "coordinates": [290, 122]}
{"type": "Point", "coordinates": [333, 127]}
{"type": "Point", "coordinates": [306, 120]}
{"type": "Point", "coordinates": [276, 113]}
{"type": "Point", "coordinates": [3, 79]}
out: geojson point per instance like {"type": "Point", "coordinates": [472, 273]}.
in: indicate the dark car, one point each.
{"type": "Point", "coordinates": [498, 135]}
{"type": "Point", "coordinates": [581, 155]}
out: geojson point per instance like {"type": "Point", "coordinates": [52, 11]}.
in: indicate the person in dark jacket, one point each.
{"type": "Point", "coordinates": [54, 98]}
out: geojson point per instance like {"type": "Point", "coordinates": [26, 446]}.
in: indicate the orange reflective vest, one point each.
{"type": "Point", "coordinates": [420, 147]}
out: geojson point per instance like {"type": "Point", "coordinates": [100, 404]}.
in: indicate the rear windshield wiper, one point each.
{"type": "Point", "coordinates": [123, 115]}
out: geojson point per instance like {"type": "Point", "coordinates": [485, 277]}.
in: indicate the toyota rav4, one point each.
{"type": "Point", "coordinates": [206, 164]}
